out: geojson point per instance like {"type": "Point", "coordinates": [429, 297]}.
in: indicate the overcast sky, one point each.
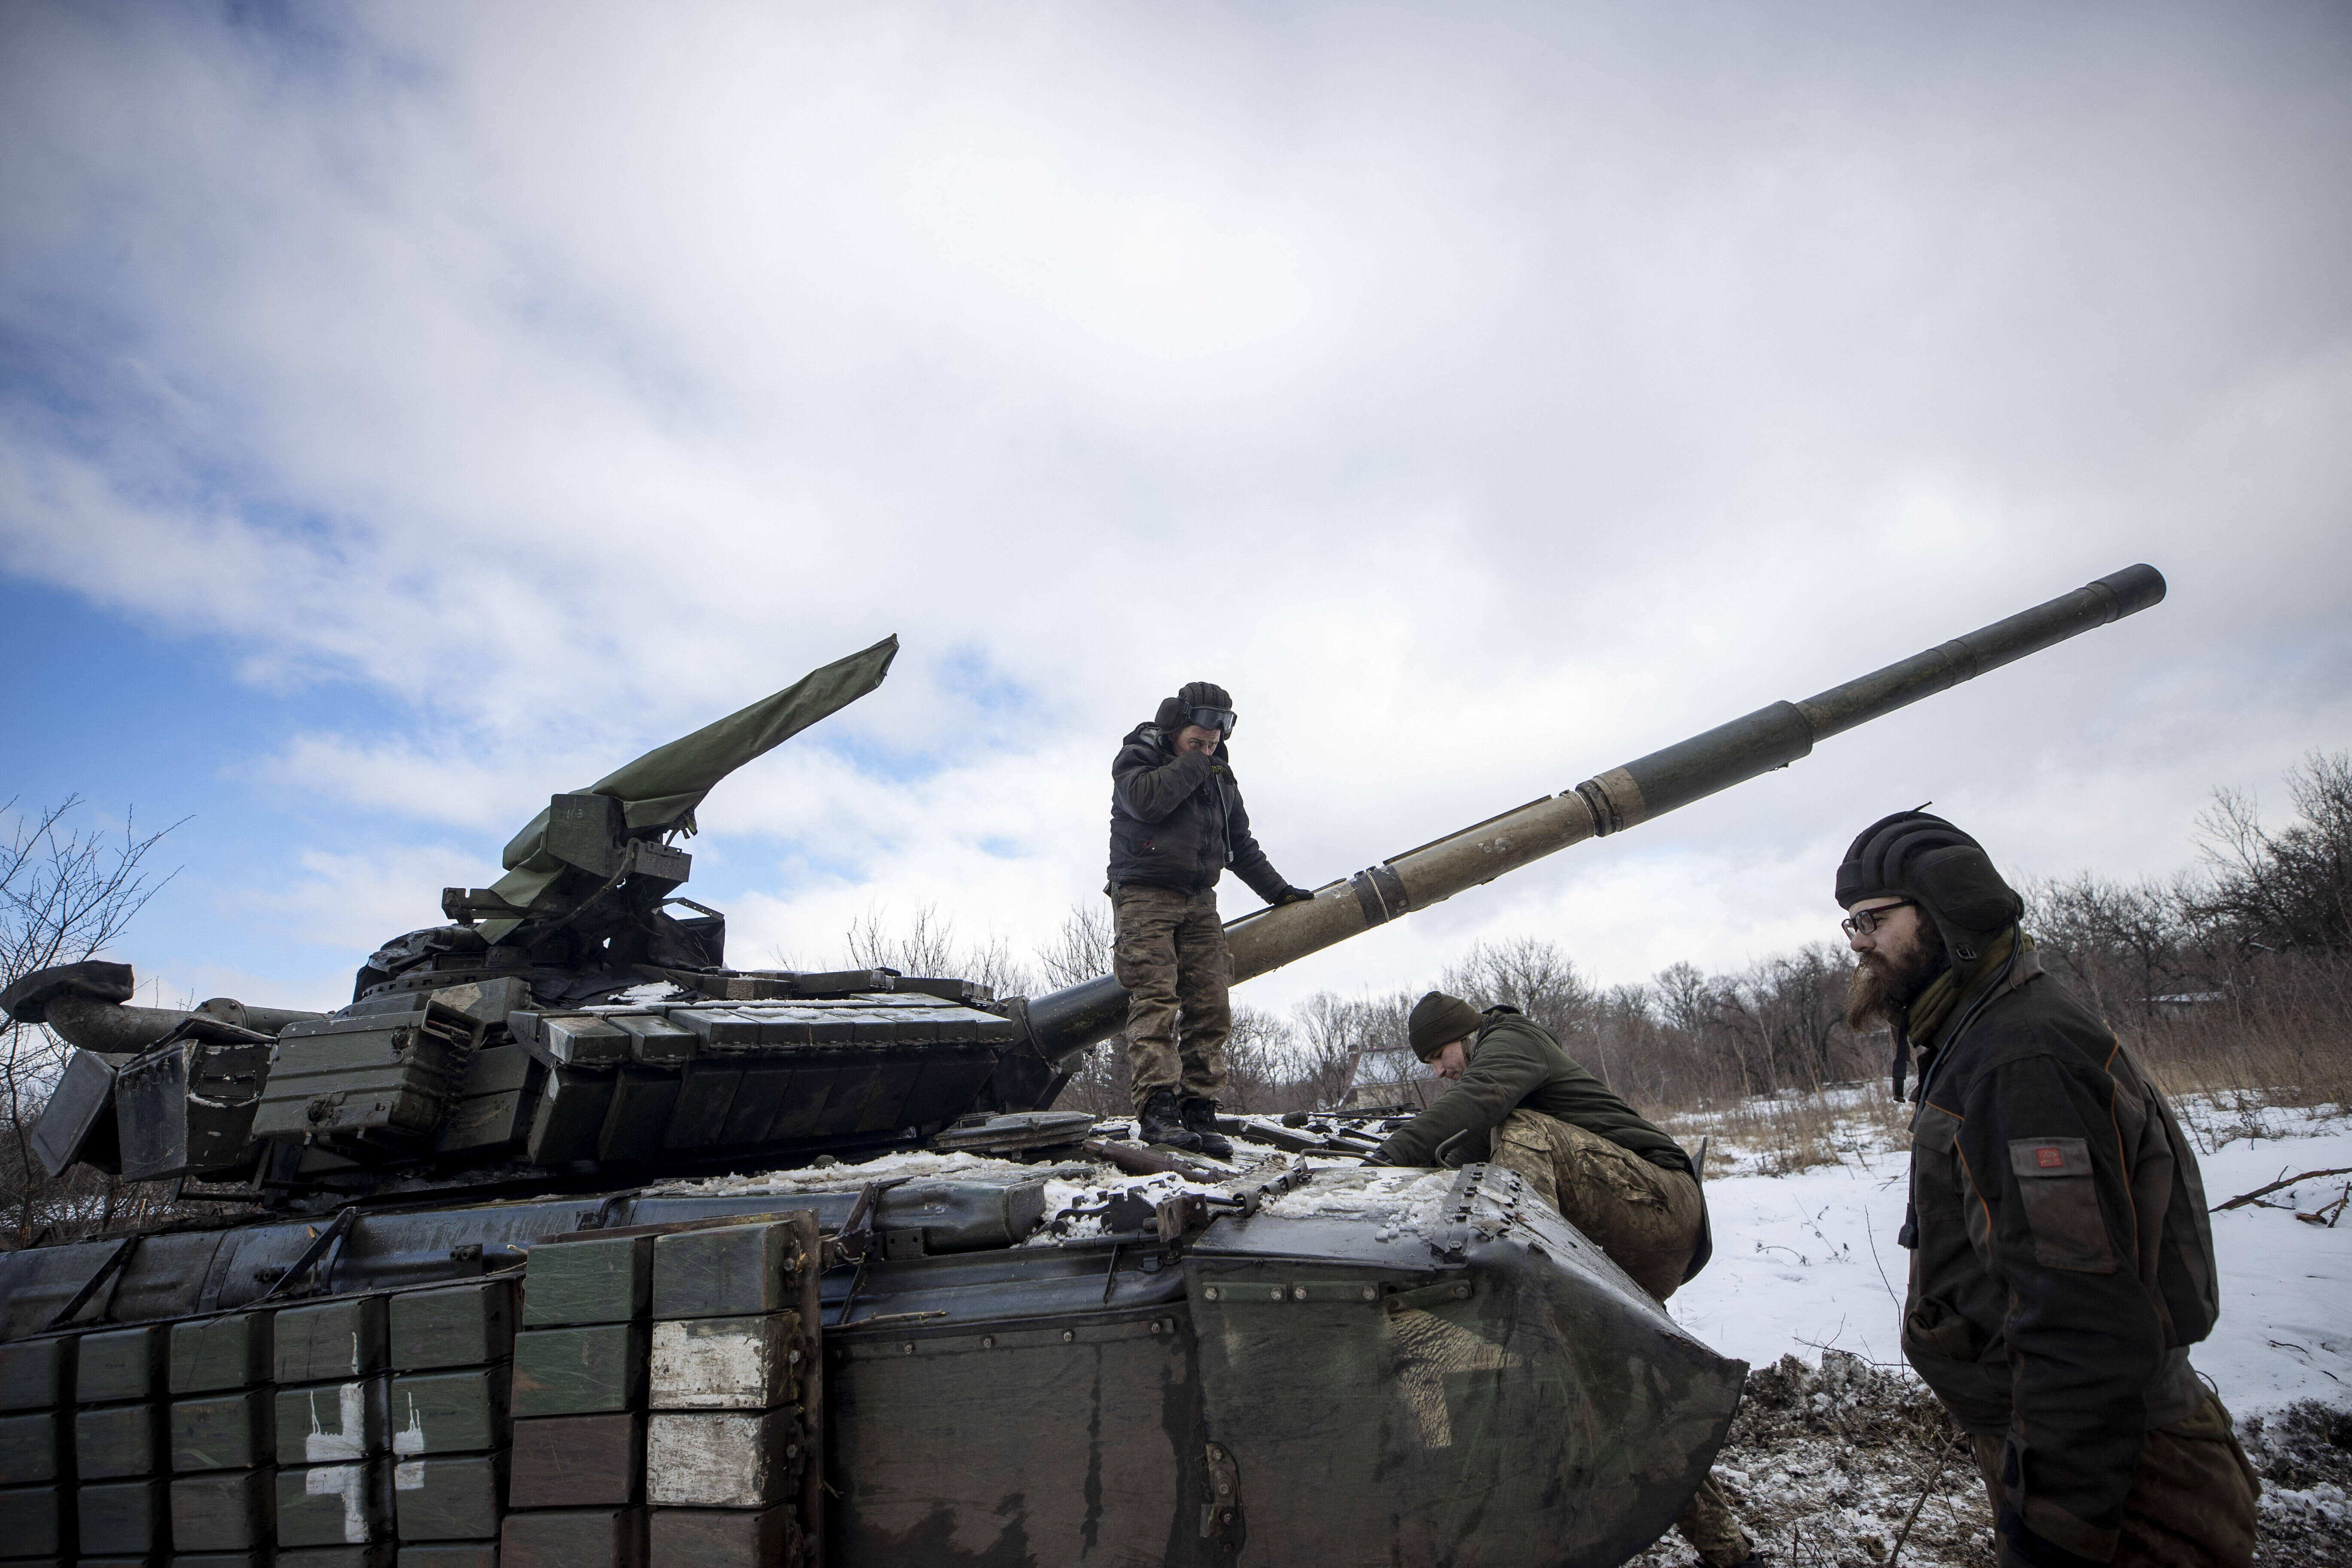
{"type": "Point", "coordinates": [407, 411]}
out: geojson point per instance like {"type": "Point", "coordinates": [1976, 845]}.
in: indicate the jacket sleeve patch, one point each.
{"type": "Point", "coordinates": [2062, 1204]}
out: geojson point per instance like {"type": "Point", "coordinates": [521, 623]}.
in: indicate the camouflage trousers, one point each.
{"type": "Point", "coordinates": [2192, 1501]}
{"type": "Point", "coordinates": [1646, 1218]}
{"type": "Point", "coordinates": [1168, 950]}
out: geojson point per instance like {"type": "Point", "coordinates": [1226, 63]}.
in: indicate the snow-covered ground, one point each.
{"type": "Point", "coordinates": [1808, 1261]}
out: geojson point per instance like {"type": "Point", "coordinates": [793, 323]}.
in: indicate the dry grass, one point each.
{"type": "Point", "coordinates": [2259, 1052]}
{"type": "Point", "coordinates": [1780, 1134]}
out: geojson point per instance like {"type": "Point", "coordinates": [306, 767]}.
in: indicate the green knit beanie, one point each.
{"type": "Point", "coordinates": [1437, 1020]}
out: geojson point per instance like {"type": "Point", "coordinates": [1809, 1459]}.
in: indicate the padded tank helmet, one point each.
{"type": "Point", "coordinates": [1202, 703]}
{"type": "Point", "coordinates": [1912, 855]}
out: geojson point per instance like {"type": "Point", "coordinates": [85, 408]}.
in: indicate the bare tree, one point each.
{"type": "Point", "coordinates": [1081, 949]}
{"type": "Point", "coordinates": [66, 893]}
{"type": "Point", "coordinates": [925, 944]}
{"type": "Point", "coordinates": [2292, 888]}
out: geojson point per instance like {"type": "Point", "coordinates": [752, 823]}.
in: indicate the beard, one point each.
{"type": "Point", "coordinates": [1881, 988]}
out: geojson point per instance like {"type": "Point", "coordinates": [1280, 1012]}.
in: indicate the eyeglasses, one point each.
{"type": "Point", "coordinates": [1862, 923]}
{"type": "Point", "coordinates": [1214, 719]}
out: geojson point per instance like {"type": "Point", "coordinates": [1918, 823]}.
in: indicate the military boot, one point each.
{"type": "Point", "coordinates": [1200, 1121]}
{"type": "Point", "coordinates": [1161, 1122]}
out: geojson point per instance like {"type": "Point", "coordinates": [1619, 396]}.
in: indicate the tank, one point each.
{"type": "Point", "coordinates": [565, 1243]}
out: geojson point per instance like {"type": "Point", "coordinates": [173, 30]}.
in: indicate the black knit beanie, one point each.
{"type": "Point", "coordinates": [1437, 1021]}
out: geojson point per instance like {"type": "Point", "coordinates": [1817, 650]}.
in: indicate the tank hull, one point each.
{"type": "Point", "coordinates": [1391, 1367]}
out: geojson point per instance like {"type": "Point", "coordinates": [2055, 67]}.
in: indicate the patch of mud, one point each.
{"type": "Point", "coordinates": [1825, 1465]}
{"type": "Point", "coordinates": [2303, 1455]}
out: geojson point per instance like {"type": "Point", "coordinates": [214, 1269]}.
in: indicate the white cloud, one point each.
{"type": "Point", "coordinates": [1486, 399]}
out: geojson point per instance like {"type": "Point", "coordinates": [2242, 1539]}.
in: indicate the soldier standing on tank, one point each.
{"type": "Point", "coordinates": [2061, 1264]}
{"type": "Point", "coordinates": [1176, 825]}
{"type": "Point", "coordinates": [1519, 1102]}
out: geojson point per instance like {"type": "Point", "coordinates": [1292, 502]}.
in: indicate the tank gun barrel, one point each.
{"type": "Point", "coordinates": [1064, 1022]}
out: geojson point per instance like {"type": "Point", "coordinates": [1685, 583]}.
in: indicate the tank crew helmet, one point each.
{"type": "Point", "coordinates": [1202, 703]}
{"type": "Point", "coordinates": [1926, 860]}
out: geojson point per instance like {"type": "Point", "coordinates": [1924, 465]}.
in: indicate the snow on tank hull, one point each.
{"type": "Point", "coordinates": [1384, 1367]}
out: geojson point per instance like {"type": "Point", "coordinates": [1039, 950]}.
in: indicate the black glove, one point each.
{"type": "Point", "coordinates": [1291, 896]}
{"type": "Point", "coordinates": [2020, 1544]}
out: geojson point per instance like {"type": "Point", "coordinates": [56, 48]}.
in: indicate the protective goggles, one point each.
{"type": "Point", "coordinates": [1214, 719]}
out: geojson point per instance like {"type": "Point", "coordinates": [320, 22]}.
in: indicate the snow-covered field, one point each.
{"type": "Point", "coordinates": [1808, 1261]}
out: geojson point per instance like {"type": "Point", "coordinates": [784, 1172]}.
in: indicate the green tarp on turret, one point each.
{"type": "Point", "coordinates": [660, 790]}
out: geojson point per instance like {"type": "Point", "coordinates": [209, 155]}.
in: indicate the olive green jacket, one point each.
{"type": "Point", "coordinates": [1515, 1063]}
{"type": "Point", "coordinates": [2062, 1263]}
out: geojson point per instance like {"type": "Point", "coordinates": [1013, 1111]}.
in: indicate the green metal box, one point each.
{"type": "Point", "coordinates": [463, 1325]}
{"type": "Point", "coordinates": [130, 1518]}
{"type": "Point", "coordinates": [335, 1505]}
{"type": "Point", "coordinates": [579, 1372]}
{"type": "Point", "coordinates": [330, 1340]}
{"type": "Point", "coordinates": [449, 1412]}
{"type": "Point", "coordinates": [332, 1423]}
{"type": "Point", "coordinates": [37, 1374]}
{"type": "Point", "coordinates": [458, 1498]}
{"type": "Point", "coordinates": [230, 1352]}
{"type": "Point", "coordinates": [223, 1431]}
{"type": "Point", "coordinates": [226, 1511]}
{"type": "Point", "coordinates": [378, 1073]}
{"type": "Point", "coordinates": [112, 1441]}
{"type": "Point", "coordinates": [597, 1280]}
{"type": "Point", "coordinates": [122, 1363]}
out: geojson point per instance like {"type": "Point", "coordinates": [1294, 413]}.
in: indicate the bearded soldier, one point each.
{"type": "Point", "coordinates": [1176, 825]}
{"type": "Point", "coordinates": [2061, 1260]}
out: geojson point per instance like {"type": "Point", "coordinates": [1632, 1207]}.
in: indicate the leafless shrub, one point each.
{"type": "Point", "coordinates": [66, 894]}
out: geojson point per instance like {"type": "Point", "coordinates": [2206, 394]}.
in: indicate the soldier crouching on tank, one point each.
{"type": "Point", "coordinates": [2061, 1264]}
{"type": "Point", "coordinates": [1519, 1102]}
{"type": "Point", "coordinates": [1176, 823]}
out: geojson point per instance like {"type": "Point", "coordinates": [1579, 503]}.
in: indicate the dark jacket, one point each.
{"type": "Point", "coordinates": [1515, 1063]}
{"type": "Point", "coordinates": [1178, 821]}
{"type": "Point", "coordinates": [2062, 1262]}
